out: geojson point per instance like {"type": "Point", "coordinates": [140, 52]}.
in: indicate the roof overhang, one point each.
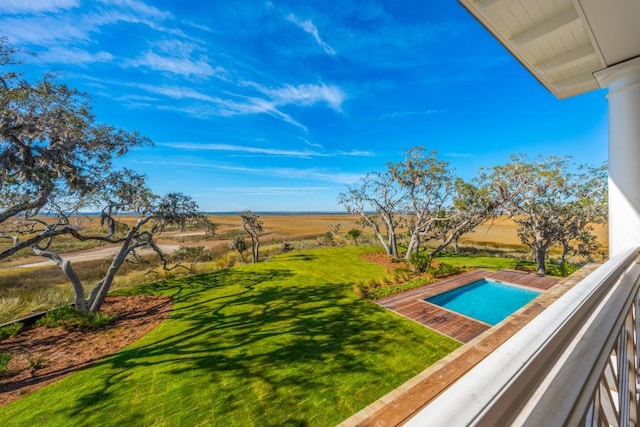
{"type": "Point", "coordinates": [563, 42]}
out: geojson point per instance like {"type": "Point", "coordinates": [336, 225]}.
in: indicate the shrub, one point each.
{"type": "Point", "coordinates": [192, 254]}
{"type": "Point", "coordinates": [71, 319]}
{"type": "Point", "coordinates": [10, 330]}
{"type": "Point", "coordinates": [5, 358]}
{"type": "Point", "coordinates": [376, 291]}
{"type": "Point", "coordinates": [443, 270]}
{"type": "Point", "coordinates": [36, 362]}
{"type": "Point", "coordinates": [562, 270]}
{"type": "Point", "coordinates": [420, 261]}
{"type": "Point", "coordinates": [401, 274]}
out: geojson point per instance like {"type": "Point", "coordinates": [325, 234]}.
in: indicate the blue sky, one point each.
{"type": "Point", "coordinates": [277, 105]}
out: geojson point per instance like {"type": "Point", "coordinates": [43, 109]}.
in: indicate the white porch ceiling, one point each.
{"type": "Point", "coordinates": [563, 42]}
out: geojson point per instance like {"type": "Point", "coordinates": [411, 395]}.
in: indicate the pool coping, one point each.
{"type": "Point", "coordinates": [399, 405]}
{"type": "Point", "coordinates": [412, 304]}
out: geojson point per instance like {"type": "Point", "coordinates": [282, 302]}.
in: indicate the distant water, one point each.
{"type": "Point", "coordinates": [282, 213]}
{"type": "Point", "coordinates": [279, 213]}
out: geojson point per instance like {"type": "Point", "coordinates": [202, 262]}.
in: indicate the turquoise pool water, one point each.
{"type": "Point", "coordinates": [485, 300]}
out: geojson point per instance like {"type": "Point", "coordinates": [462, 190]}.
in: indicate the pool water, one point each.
{"type": "Point", "coordinates": [485, 300]}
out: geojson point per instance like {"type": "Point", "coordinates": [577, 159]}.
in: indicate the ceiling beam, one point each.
{"type": "Point", "coordinates": [576, 84]}
{"type": "Point", "coordinates": [485, 4]}
{"type": "Point", "coordinates": [564, 61]}
{"type": "Point", "coordinates": [547, 28]}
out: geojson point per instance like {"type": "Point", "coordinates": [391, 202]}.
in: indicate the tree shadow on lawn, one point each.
{"type": "Point", "coordinates": [295, 340]}
{"type": "Point", "coordinates": [299, 257]}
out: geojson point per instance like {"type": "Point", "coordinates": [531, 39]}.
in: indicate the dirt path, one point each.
{"type": "Point", "coordinates": [86, 255]}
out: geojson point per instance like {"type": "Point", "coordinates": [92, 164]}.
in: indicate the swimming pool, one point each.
{"type": "Point", "coordinates": [485, 300]}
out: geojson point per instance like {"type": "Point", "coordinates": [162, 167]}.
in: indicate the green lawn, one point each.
{"type": "Point", "coordinates": [281, 343]}
{"type": "Point", "coordinates": [472, 262]}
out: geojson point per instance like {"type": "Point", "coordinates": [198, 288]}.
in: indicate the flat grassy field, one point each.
{"type": "Point", "coordinates": [498, 233]}
{"type": "Point", "coordinates": [281, 343]}
{"type": "Point", "coordinates": [502, 232]}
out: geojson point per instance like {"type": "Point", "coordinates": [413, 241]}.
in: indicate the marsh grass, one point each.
{"type": "Point", "coordinates": [33, 289]}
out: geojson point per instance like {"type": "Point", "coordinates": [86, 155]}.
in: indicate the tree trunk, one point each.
{"type": "Point", "coordinates": [67, 269]}
{"type": "Point", "coordinates": [456, 249]}
{"type": "Point", "coordinates": [255, 246]}
{"type": "Point", "coordinates": [393, 244]}
{"type": "Point", "coordinates": [414, 244]}
{"type": "Point", "coordinates": [541, 254]}
{"type": "Point", "coordinates": [257, 251]}
{"type": "Point", "coordinates": [376, 230]}
{"type": "Point", "coordinates": [99, 293]}
{"type": "Point", "coordinates": [565, 252]}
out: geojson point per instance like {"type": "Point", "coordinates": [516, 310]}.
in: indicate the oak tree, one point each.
{"type": "Point", "coordinates": [55, 161]}
{"type": "Point", "coordinates": [377, 199]}
{"type": "Point", "coordinates": [552, 204]}
{"type": "Point", "coordinates": [253, 226]}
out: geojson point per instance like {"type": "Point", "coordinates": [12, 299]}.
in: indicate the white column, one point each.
{"type": "Point", "coordinates": [623, 82]}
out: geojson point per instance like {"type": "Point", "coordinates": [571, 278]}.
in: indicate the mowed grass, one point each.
{"type": "Point", "coordinates": [473, 262]}
{"type": "Point", "coordinates": [281, 343]}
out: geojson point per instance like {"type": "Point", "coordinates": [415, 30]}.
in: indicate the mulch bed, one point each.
{"type": "Point", "coordinates": [384, 260]}
{"type": "Point", "coordinates": [61, 352]}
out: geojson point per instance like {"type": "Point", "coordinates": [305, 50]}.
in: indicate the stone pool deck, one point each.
{"type": "Point", "coordinates": [398, 406]}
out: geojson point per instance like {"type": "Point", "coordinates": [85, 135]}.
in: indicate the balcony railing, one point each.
{"type": "Point", "coordinates": [577, 363]}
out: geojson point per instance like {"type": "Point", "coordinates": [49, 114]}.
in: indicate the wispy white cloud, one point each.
{"type": "Point", "coordinates": [401, 114]}
{"type": "Point", "coordinates": [76, 56]}
{"type": "Point", "coordinates": [179, 66]}
{"type": "Point", "coordinates": [36, 6]}
{"type": "Point", "coordinates": [138, 8]}
{"type": "Point", "coordinates": [211, 106]}
{"type": "Point", "coordinates": [266, 191]}
{"type": "Point", "coordinates": [265, 150]}
{"type": "Point", "coordinates": [356, 153]}
{"type": "Point", "coordinates": [457, 155]}
{"type": "Point", "coordinates": [178, 57]}
{"type": "Point", "coordinates": [299, 174]}
{"type": "Point", "coordinates": [253, 105]}
{"type": "Point", "coordinates": [313, 174]}
{"type": "Point", "coordinates": [37, 31]}
{"type": "Point", "coordinates": [305, 95]}
{"type": "Point", "coordinates": [245, 149]}
{"type": "Point", "coordinates": [52, 22]}
{"type": "Point", "coordinates": [312, 144]}
{"type": "Point", "coordinates": [176, 92]}
{"type": "Point", "coordinates": [235, 105]}
{"type": "Point", "coordinates": [308, 27]}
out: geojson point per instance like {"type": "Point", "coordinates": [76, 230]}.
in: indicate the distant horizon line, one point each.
{"type": "Point", "coordinates": [296, 212]}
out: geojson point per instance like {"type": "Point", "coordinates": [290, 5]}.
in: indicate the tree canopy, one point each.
{"type": "Point", "coordinates": [55, 161]}
{"type": "Point", "coordinates": [422, 195]}
{"type": "Point", "coordinates": [553, 201]}
{"type": "Point", "coordinates": [51, 147]}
